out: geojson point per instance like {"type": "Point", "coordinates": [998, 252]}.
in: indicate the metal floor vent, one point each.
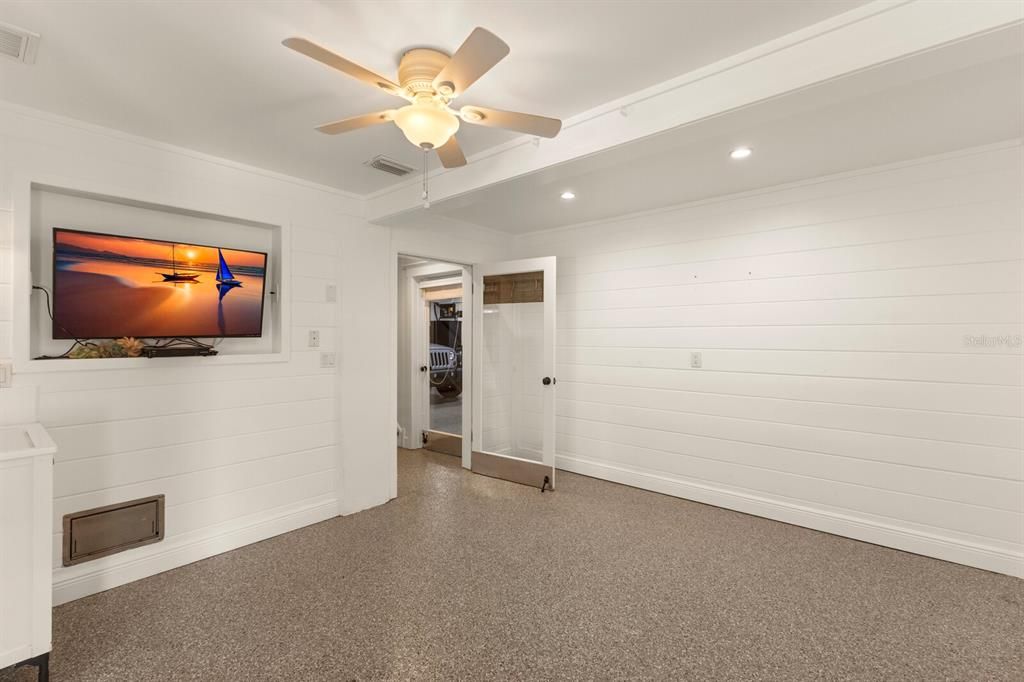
{"type": "Point", "coordinates": [383, 163]}
{"type": "Point", "coordinates": [18, 44]}
{"type": "Point", "coordinates": [103, 531]}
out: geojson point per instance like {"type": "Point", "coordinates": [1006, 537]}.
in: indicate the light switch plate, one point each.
{"type": "Point", "coordinates": [314, 338]}
{"type": "Point", "coordinates": [6, 374]}
{"type": "Point", "coordinates": [327, 360]}
{"type": "Point", "coordinates": [696, 361]}
{"type": "Point", "coordinates": [331, 293]}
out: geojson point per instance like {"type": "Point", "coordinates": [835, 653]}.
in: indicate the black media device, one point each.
{"type": "Point", "coordinates": [177, 351]}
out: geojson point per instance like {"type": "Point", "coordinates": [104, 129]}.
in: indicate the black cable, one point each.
{"type": "Point", "coordinates": [77, 342]}
{"type": "Point", "coordinates": [180, 341]}
{"type": "Point", "coordinates": [48, 311]}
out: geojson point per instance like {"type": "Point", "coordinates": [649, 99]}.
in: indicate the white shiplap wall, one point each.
{"type": "Point", "coordinates": [838, 388]}
{"type": "Point", "coordinates": [242, 452]}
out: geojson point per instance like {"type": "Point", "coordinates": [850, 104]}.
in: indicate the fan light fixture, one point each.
{"type": "Point", "coordinates": [741, 152]}
{"type": "Point", "coordinates": [567, 195]}
{"type": "Point", "coordinates": [429, 81]}
{"type": "Point", "coordinates": [426, 124]}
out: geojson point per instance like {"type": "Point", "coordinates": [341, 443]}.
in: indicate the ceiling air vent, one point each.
{"type": "Point", "coordinates": [18, 44]}
{"type": "Point", "coordinates": [383, 163]}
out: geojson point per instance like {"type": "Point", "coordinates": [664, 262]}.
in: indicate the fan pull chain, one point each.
{"type": "Point", "coordinates": [426, 188]}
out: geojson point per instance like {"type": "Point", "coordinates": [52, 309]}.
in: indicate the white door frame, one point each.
{"type": "Point", "coordinates": [419, 415]}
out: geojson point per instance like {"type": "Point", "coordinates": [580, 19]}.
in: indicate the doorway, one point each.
{"type": "Point", "coordinates": [476, 360]}
{"type": "Point", "coordinates": [443, 315]}
{"type": "Point", "coordinates": [433, 375]}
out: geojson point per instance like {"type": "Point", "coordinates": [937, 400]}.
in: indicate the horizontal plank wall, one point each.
{"type": "Point", "coordinates": [241, 451]}
{"type": "Point", "coordinates": [861, 353]}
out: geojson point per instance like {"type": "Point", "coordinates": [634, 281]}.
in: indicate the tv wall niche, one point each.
{"type": "Point", "coordinates": [100, 236]}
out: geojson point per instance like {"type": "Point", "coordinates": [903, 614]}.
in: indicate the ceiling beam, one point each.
{"type": "Point", "coordinates": [862, 38]}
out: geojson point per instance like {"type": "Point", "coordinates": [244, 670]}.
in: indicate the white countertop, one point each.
{"type": "Point", "coordinates": [25, 440]}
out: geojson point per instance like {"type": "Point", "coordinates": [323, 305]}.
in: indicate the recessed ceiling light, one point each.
{"type": "Point", "coordinates": [741, 152]}
{"type": "Point", "coordinates": [567, 195]}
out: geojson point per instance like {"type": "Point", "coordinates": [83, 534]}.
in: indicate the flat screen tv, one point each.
{"type": "Point", "coordinates": [107, 286]}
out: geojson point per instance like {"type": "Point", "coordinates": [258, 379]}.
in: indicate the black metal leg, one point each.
{"type": "Point", "coordinates": [42, 663]}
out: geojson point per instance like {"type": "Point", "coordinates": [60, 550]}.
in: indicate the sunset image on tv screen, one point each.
{"type": "Point", "coordinates": [107, 286]}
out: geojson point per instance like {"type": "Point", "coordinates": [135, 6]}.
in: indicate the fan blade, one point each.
{"type": "Point", "coordinates": [325, 56]}
{"type": "Point", "coordinates": [475, 57]}
{"type": "Point", "coordinates": [451, 154]}
{"type": "Point", "coordinates": [524, 123]}
{"type": "Point", "coordinates": [356, 122]}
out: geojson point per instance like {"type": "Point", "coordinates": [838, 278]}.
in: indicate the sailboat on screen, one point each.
{"type": "Point", "coordinates": [224, 276]}
{"type": "Point", "coordinates": [174, 275]}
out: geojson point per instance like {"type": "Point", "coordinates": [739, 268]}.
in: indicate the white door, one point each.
{"type": "Point", "coordinates": [513, 360]}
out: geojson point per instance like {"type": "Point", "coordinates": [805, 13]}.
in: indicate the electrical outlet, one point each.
{"type": "Point", "coordinates": [696, 361]}
{"type": "Point", "coordinates": [314, 338]}
{"type": "Point", "coordinates": [331, 293]}
{"type": "Point", "coordinates": [6, 374]}
{"type": "Point", "coordinates": [327, 360]}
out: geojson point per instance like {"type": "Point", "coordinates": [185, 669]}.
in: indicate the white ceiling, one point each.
{"type": "Point", "coordinates": [213, 76]}
{"type": "Point", "coordinates": [966, 94]}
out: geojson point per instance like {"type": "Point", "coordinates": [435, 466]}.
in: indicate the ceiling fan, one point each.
{"type": "Point", "coordinates": [429, 80]}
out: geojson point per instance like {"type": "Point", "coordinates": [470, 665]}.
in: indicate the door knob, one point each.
{"type": "Point", "coordinates": [423, 368]}
{"type": "Point", "coordinates": [546, 381]}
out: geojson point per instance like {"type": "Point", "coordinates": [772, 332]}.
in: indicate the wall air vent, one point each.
{"type": "Point", "coordinates": [383, 163]}
{"type": "Point", "coordinates": [103, 531]}
{"type": "Point", "coordinates": [18, 44]}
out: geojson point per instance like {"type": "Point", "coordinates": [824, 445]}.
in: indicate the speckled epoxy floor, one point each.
{"type": "Point", "coordinates": [466, 577]}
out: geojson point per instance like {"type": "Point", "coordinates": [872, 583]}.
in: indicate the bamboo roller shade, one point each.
{"type": "Point", "coordinates": [518, 287]}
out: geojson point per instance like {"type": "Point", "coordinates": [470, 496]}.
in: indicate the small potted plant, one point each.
{"type": "Point", "coordinates": [126, 347]}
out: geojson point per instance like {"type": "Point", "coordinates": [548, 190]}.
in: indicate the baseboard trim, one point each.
{"type": "Point", "coordinates": [75, 582]}
{"type": "Point", "coordinates": [911, 540]}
